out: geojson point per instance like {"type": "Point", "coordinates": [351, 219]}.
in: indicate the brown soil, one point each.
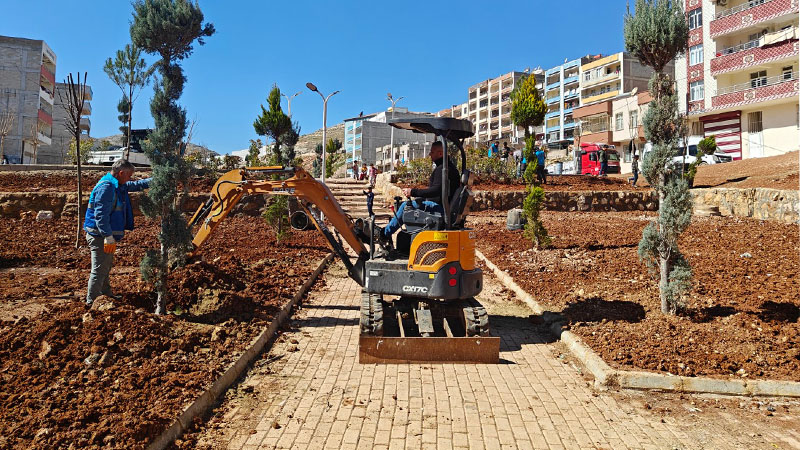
{"type": "Point", "coordinates": [776, 172]}
{"type": "Point", "coordinates": [564, 183]}
{"type": "Point", "coordinates": [740, 319]}
{"type": "Point", "coordinates": [66, 181]}
{"type": "Point", "coordinates": [154, 365]}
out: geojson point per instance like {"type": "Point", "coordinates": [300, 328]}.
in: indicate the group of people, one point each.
{"type": "Point", "coordinates": [365, 173]}
{"type": "Point", "coordinates": [520, 159]}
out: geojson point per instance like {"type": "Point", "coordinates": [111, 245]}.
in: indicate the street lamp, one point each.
{"type": "Point", "coordinates": [391, 137]}
{"type": "Point", "coordinates": [289, 100]}
{"type": "Point", "coordinates": [324, 121]}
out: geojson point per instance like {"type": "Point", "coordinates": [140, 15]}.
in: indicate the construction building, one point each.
{"type": "Point", "coordinates": [364, 135]}
{"type": "Point", "coordinates": [57, 151]}
{"type": "Point", "coordinates": [562, 94]}
{"type": "Point", "coordinates": [27, 93]}
{"type": "Point", "coordinates": [739, 78]}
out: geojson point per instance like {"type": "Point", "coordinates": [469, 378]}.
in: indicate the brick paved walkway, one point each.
{"type": "Point", "coordinates": [311, 392]}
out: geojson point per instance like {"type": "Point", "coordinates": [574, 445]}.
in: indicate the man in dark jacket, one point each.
{"type": "Point", "coordinates": [108, 215]}
{"type": "Point", "coordinates": [432, 195]}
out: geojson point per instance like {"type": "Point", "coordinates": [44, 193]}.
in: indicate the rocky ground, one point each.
{"type": "Point", "coordinates": [116, 375]}
{"type": "Point", "coordinates": [740, 319]}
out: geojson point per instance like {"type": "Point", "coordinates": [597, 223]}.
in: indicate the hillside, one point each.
{"type": "Point", "coordinates": [307, 142]}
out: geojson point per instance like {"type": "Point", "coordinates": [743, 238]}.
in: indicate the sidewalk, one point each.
{"type": "Point", "coordinates": [314, 394]}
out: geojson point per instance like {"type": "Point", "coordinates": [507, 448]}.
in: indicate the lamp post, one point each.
{"type": "Point", "coordinates": [289, 100]}
{"type": "Point", "coordinates": [391, 136]}
{"type": "Point", "coordinates": [324, 121]}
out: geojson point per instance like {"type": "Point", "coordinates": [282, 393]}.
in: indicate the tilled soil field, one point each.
{"type": "Point", "coordinates": [116, 375]}
{"type": "Point", "coordinates": [740, 319]}
{"type": "Point", "coordinates": [66, 180]}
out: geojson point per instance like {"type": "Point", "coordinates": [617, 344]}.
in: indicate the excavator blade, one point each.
{"type": "Point", "coordinates": [444, 350]}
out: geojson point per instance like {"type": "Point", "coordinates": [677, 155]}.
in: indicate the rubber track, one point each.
{"type": "Point", "coordinates": [477, 319]}
{"type": "Point", "coordinates": [371, 314]}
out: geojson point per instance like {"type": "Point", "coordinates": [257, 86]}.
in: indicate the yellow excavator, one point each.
{"type": "Point", "coordinates": [418, 301]}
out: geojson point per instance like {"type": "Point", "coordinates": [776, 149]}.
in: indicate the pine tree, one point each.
{"type": "Point", "coordinates": [656, 34]}
{"type": "Point", "coordinates": [167, 28]}
{"type": "Point", "coordinates": [527, 106]}
{"type": "Point", "coordinates": [253, 154]}
{"type": "Point", "coordinates": [123, 108]}
{"type": "Point", "coordinates": [130, 73]}
{"type": "Point", "coordinates": [276, 125]}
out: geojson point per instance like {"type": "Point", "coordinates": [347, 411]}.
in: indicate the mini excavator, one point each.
{"type": "Point", "coordinates": [418, 301]}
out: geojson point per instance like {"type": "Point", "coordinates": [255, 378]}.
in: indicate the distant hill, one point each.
{"type": "Point", "coordinates": [307, 142]}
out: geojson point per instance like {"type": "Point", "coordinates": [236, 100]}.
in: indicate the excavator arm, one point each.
{"type": "Point", "coordinates": [233, 185]}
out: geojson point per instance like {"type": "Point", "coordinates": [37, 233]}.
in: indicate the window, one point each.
{"type": "Point", "coordinates": [618, 121]}
{"type": "Point", "coordinates": [787, 72]}
{"type": "Point", "coordinates": [758, 79]}
{"type": "Point", "coordinates": [634, 119]}
{"type": "Point", "coordinates": [696, 54]}
{"type": "Point", "coordinates": [696, 90]}
{"type": "Point", "coordinates": [695, 18]}
{"type": "Point", "coordinates": [586, 76]}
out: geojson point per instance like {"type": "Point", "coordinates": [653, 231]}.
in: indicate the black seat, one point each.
{"type": "Point", "coordinates": [461, 200]}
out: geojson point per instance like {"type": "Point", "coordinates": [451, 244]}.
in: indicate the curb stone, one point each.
{"type": "Point", "coordinates": [210, 396]}
{"type": "Point", "coordinates": [606, 376]}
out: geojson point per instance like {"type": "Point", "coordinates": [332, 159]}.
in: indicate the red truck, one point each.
{"type": "Point", "coordinates": [590, 158]}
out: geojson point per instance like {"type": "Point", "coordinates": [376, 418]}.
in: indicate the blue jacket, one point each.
{"type": "Point", "coordinates": [109, 212]}
{"type": "Point", "coordinates": [540, 158]}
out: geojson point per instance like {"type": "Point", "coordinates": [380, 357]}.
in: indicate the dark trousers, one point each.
{"type": "Point", "coordinates": [604, 168]}
{"type": "Point", "coordinates": [541, 174]}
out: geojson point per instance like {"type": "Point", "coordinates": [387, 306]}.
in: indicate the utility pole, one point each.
{"type": "Point", "coordinates": [391, 136]}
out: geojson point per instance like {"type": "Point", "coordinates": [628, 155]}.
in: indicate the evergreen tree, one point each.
{"type": "Point", "coordinates": [527, 106]}
{"type": "Point", "coordinates": [317, 165]}
{"type": "Point", "coordinates": [167, 28]}
{"type": "Point", "coordinates": [335, 159]}
{"type": "Point", "coordinates": [253, 158]}
{"type": "Point", "coordinates": [123, 108]}
{"type": "Point", "coordinates": [276, 125]}
{"type": "Point", "coordinates": [130, 73]}
{"type": "Point", "coordinates": [656, 34]}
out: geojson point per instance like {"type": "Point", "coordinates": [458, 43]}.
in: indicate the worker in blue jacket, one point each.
{"type": "Point", "coordinates": [108, 215]}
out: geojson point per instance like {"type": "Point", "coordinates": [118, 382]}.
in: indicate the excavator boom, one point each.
{"type": "Point", "coordinates": [235, 184]}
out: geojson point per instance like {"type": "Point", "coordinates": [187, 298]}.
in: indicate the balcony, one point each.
{"type": "Point", "coordinates": [569, 95]}
{"type": "Point", "coordinates": [87, 109]}
{"type": "Point", "coordinates": [570, 80]}
{"type": "Point", "coordinates": [754, 53]}
{"type": "Point", "coordinates": [552, 129]}
{"type": "Point", "coordinates": [43, 139]}
{"type": "Point", "coordinates": [567, 111]}
{"type": "Point", "coordinates": [601, 79]}
{"type": "Point", "coordinates": [47, 75]}
{"type": "Point", "coordinates": [570, 124]}
{"type": "Point", "coordinates": [757, 90]}
{"type": "Point", "coordinates": [750, 14]}
{"type": "Point", "coordinates": [86, 124]}
{"type": "Point", "coordinates": [45, 117]}
{"type": "Point", "coordinates": [552, 100]}
{"type": "Point", "coordinates": [552, 86]}
{"type": "Point", "coordinates": [550, 115]}
{"type": "Point", "coordinates": [46, 95]}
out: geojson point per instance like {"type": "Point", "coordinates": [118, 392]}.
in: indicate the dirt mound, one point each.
{"type": "Point", "coordinates": [740, 318]}
{"type": "Point", "coordinates": [775, 172]}
{"type": "Point", "coordinates": [118, 376]}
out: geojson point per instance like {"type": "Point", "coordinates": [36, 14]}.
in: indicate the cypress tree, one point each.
{"type": "Point", "coordinates": [167, 28]}
{"type": "Point", "coordinates": [656, 34]}
{"type": "Point", "coordinates": [274, 124]}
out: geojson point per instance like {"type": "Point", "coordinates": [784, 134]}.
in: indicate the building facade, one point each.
{"type": "Point", "coordinates": [562, 95]}
{"type": "Point", "coordinates": [364, 135]}
{"type": "Point", "coordinates": [57, 151]}
{"type": "Point", "coordinates": [738, 81]}
{"type": "Point", "coordinates": [27, 92]}
{"type": "Point", "coordinates": [489, 108]}
{"type": "Point", "coordinates": [612, 75]}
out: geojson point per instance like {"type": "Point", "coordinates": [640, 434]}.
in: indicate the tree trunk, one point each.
{"type": "Point", "coordinates": [161, 300]}
{"type": "Point", "coordinates": [2, 141]}
{"type": "Point", "coordinates": [130, 121]}
{"type": "Point", "coordinates": [80, 191]}
{"type": "Point", "coordinates": [664, 266]}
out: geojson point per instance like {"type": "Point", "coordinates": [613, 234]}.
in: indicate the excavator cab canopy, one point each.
{"type": "Point", "coordinates": [453, 129]}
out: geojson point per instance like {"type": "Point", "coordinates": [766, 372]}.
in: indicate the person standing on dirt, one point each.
{"type": "Point", "coordinates": [635, 170]}
{"type": "Point", "coordinates": [540, 172]}
{"type": "Point", "coordinates": [108, 214]}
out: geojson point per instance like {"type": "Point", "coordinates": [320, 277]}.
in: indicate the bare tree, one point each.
{"type": "Point", "coordinates": [6, 123]}
{"type": "Point", "coordinates": [35, 128]}
{"type": "Point", "coordinates": [72, 102]}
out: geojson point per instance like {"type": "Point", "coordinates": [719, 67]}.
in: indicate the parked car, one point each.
{"type": "Point", "coordinates": [682, 156]}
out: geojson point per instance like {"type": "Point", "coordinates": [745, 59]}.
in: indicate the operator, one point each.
{"type": "Point", "coordinates": [108, 215]}
{"type": "Point", "coordinates": [432, 195]}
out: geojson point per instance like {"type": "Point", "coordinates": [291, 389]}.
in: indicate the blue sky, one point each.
{"type": "Point", "coordinates": [429, 52]}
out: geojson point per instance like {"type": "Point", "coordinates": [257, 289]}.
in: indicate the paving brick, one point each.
{"type": "Point", "coordinates": [535, 401]}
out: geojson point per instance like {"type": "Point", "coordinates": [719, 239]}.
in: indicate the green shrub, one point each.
{"type": "Point", "coordinates": [417, 171]}
{"type": "Point", "coordinates": [277, 216]}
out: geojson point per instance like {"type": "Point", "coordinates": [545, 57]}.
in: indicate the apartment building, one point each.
{"type": "Point", "coordinates": [27, 91]}
{"type": "Point", "coordinates": [612, 75]}
{"type": "Point", "coordinates": [562, 95]}
{"type": "Point", "coordinates": [363, 135]}
{"type": "Point", "coordinates": [460, 111]}
{"type": "Point", "coordinates": [489, 108]}
{"type": "Point", "coordinates": [57, 151]}
{"type": "Point", "coordinates": [739, 77]}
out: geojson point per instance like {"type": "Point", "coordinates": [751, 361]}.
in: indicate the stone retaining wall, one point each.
{"type": "Point", "coordinates": [759, 203]}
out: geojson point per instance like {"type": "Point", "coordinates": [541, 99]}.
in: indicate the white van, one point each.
{"type": "Point", "coordinates": [691, 155]}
